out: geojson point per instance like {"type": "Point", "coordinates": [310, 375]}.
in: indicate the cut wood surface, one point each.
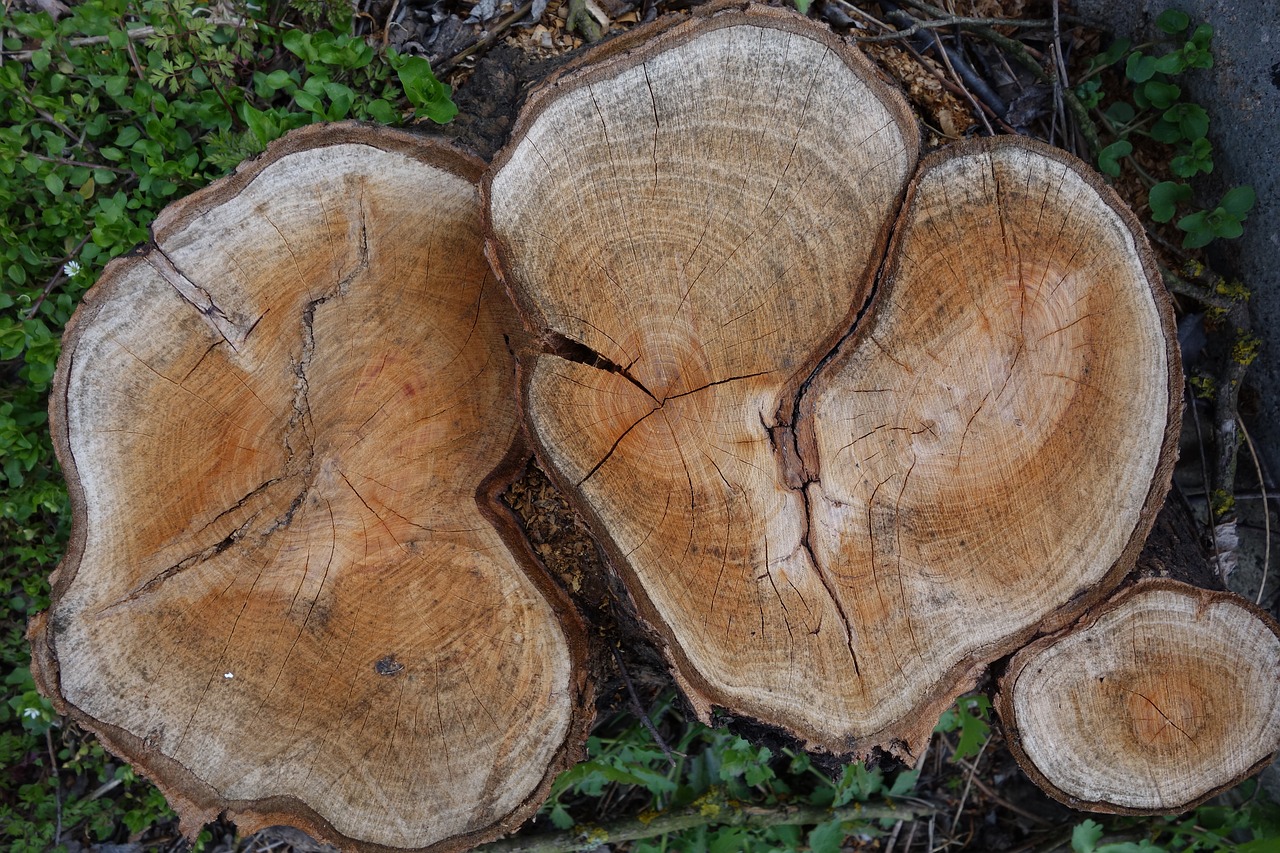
{"type": "Point", "coordinates": [690, 224]}
{"type": "Point", "coordinates": [1163, 697]}
{"type": "Point", "coordinates": [291, 592]}
{"type": "Point", "coordinates": [1002, 410]}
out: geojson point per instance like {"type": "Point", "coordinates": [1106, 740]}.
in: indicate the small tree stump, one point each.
{"type": "Point", "coordinates": [291, 593]}
{"type": "Point", "coordinates": [1156, 701]}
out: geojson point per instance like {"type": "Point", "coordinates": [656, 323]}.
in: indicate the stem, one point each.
{"type": "Point", "coordinates": [61, 161]}
{"type": "Point", "coordinates": [58, 276]}
{"type": "Point", "coordinates": [951, 21]}
{"type": "Point", "coordinates": [1183, 287]}
{"type": "Point", "coordinates": [711, 810]}
{"type": "Point", "coordinates": [1019, 52]}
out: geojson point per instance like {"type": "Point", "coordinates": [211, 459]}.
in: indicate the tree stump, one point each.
{"type": "Point", "coordinates": [292, 594]}
{"type": "Point", "coordinates": [832, 526]}
{"type": "Point", "coordinates": [1159, 699]}
{"type": "Point", "coordinates": [850, 427]}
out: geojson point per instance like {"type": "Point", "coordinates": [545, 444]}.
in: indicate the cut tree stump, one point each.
{"type": "Point", "coordinates": [292, 595]}
{"type": "Point", "coordinates": [833, 527]}
{"type": "Point", "coordinates": [1159, 699]}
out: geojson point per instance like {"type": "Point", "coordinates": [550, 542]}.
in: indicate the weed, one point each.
{"type": "Point", "coordinates": [718, 773]}
{"type": "Point", "coordinates": [1252, 826]}
{"type": "Point", "coordinates": [1157, 110]}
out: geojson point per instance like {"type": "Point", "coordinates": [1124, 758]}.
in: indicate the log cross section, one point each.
{"type": "Point", "coordinates": [291, 587]}
{"type": "Point", "coordinates": [834, 522]}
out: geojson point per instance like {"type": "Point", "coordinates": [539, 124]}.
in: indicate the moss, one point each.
{"type": "Point", "coordinates": [1203, 386]}
{"type": "Point", "coordinates": [1246, 349]}
{"type": "Point", "coordinates": [1233, 289]}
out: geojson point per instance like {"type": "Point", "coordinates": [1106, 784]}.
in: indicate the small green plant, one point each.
{"type": "Point", "coordinates": [1157, 110]}
{"type": "Point", "coordinates": [715, 771]}
{"type": "Point", "coordinates": [970, 716]}
{"type": "Point", "coordinates": [1253, 826]}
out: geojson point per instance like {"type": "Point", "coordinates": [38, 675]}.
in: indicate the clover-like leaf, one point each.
{"type": "Point", "coordinates": [1173, 21]}
{"type": "Point", "coordinates": [1239, 200]}
{"type": "Point", "coordinates": [1109, 157]}
{"type": "Point", "coordinates": [1165, 197]}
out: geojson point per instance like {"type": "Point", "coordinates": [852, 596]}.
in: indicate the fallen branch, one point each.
{"type": "Point", "coordinates": [480, 44]}
{"type": "Point", "coordinates": [708, 811]}
{"type": "Point", "coordinates": [953, 21]}
{"type": "Point", "coordinates": [1204, 294]}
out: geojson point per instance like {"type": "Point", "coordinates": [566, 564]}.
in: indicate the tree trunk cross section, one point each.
{"type": "Point", "coordinates": [291, 587]}
{"type": "Point", "coordinates": [833, 531]}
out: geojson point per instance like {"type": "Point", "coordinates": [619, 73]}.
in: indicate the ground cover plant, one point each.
{"type": "Point", "coordinates": [117, 108]}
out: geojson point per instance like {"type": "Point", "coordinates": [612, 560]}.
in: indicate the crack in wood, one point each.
{"type": "Point", "coordinates": [232, 331]}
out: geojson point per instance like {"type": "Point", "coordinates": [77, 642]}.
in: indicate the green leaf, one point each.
{"type": "Point", "coordinates": [53, 183]}
{"type": "Point", "coordinates": [1161, 95]}
{"type": "Point", "coordinates": [1173, 21]}
{"type": "Point", "coordinates": [341, 98]}
{"type": "Point", "coordinates": [561, 818]}
{"type": "Point", "coordinates": [858, 783]}
{"type": "Point", "coordinates": [904, 783]}
{"type": "Point", "coordinates": [1164, 131]}
{"type": "Point", "coordinates": [40, 60]}
{"type": "Point", "coordinates": [263, 127]}
{"type": "Point", "coordinates": [277, 80]}
{"type": "Point", "coordinates": [428, 95]}
{"type": "Point", "coordinates": [1227, 227]}
{"type": "Point", "coordinates": [1171, 63]}
{"type": "Point", "coordinates": [1109, 157]}
{"type": "Point", "coordinates": [827, 837]}
{"type": "Point", "coordinates": [309, 102]}
{"type": "Point", "coordinates": [1121, 112]}
{"type": "Point", "coordinates": [299, 44]}
{"type": "Point", "coordinates": [1199, 231]}
{"type": "Point", "coordinates": [1140, 68]}
{"type": "Point", "coordinates": [381, 111]}
{"type": "Point", "coordinates": [974, 728]}
{"type": "Point", "coordinates": [1164, 198]}
{"type": "Point", "coordinates": [1239, 200]}
{"type": "Point", "coordinates": [1085, 836]}
{"type": "Point", "coordinates": [1191, 120]}
{"type": "Point", "coordinates": [728, 840]}
{"type": "Point", "coordinates": [1112, 54]}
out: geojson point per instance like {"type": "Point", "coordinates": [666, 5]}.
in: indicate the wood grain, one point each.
{"type": "Point", "coordinates": [292, 593]}
{"type": "Point", "coordinates": [834, 523]}
{"type": "Point", "coordinates": [1160, 699]}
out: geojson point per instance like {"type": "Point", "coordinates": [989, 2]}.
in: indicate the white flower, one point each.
{"type": "Point", "coordinates": [31, 713]}
{"type": "Point", "coordinates": [70, 268]}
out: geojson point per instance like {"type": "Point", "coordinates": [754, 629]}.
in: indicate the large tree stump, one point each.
{"type": "Point", "coordinates": [291, 592]}
{"type": "Point", "coordinates": [831, 541]}
{"type": "Point", "coordinates": [1158, 700]}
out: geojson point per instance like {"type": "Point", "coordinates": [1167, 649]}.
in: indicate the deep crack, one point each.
{"type": "Point", "coordinates": [227, 328]}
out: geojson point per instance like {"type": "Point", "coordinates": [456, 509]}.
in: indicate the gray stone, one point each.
{"type": "Point", "coordinates": [1242, 95]}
